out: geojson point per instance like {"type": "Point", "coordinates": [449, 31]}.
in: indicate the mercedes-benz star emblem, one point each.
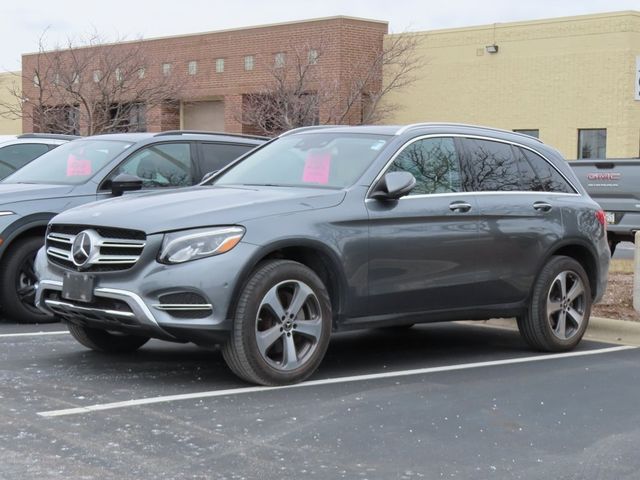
{"type": "Point", "coordinates": [81, 249]}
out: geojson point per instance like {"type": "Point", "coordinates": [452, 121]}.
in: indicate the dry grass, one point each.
{"type": "Point", "coordinates": [621, 266]}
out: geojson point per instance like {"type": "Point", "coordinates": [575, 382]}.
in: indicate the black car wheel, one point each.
{"type": "Point", "coordinates": [103, 341]}
{"type": "Point", "coordinates": [282, 325]}
{"type": "Point", "coordinates": [18, 283]}
{"type": "Point", "coordinates": [560, 307]}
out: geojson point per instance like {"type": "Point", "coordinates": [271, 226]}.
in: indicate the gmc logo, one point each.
{"type": "Point", "coordinates": [603, 176]}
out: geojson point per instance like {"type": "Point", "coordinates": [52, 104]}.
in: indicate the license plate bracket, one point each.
{"type": "Point", "coordinates": [78, 287]}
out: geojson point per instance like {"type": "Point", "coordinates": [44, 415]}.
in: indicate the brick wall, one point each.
{"type": "Point", "coordinates": [345, 42]}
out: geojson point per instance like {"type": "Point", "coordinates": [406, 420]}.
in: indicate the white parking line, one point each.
{"type": "Point", "coordinates": [327, 381]}
{"type": "Point", "coordinates": [33, 334]}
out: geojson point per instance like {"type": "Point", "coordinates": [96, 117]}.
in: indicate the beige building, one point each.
{"type": "Point", "coordinates": [9, 126]}
{"type": "Point", "coordinates": [574, 81]}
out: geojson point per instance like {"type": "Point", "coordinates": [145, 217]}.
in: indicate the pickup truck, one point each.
{"type": "Point", "coordinates": [615, 185]}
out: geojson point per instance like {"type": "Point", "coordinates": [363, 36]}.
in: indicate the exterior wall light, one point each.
{"type": "Point", "coordinates": [491, 48]}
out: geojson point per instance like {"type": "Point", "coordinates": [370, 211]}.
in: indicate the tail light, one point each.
{"type": "Point", "coordinates": [602, 218]}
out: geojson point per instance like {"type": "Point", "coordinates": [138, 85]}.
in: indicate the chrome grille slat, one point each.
{"type": "Point", "coordinates": [59, 253]}
{"type": "Point", "coordinates": [117, 259]}
{"type": "Point", "coordinates": [61, 237]}
{"type": "Point", "coordinates": [122, 243]}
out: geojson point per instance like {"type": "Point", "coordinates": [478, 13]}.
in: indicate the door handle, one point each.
{"type": "Point", "coordinates": [459, 207]}
{"type": "Point", "coordinates": [542, 206]}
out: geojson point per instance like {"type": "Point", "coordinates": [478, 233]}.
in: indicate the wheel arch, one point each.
{"type": "Point", "coordinates": [311, 253]}
{"type": "Point", "coordinates": [585, 255]}
{"type": "Point", "coordinates": [34, 225]}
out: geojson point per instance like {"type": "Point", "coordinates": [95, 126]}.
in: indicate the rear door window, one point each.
{"type": "Point", "coordinates": [216, 156]}
{"type": "Point", "coordinates": [493, 166]}
{"type": "Point", "coordinates": [434, 163]}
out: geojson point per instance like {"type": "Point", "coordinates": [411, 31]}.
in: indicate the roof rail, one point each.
{"type": "Point", "coordinates": [203, 132]}
{"type": "Point", "coordinates": [449, 124]}
{"type": "Point", "coordinates": [308, 128]}
{"type": "Point", "coordinates": [51, 136]}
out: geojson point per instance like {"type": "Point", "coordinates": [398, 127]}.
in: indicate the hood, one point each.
{"type": "Point", "coordinates": [198, 207]}
{"type": "Point", "coordinates": [17, 192]}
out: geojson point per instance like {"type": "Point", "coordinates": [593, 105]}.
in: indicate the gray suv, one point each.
{"type": "Point", "coordinates": [86, 170]}
{"type": "Point", "coordinates": [332, 229]}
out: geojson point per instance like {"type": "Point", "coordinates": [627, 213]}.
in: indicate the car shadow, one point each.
{"type": "Point", "coordinates": [177, 367]}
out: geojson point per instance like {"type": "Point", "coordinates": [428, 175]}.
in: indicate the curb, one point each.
{"type": "Point", "coordinates": [600, 329]}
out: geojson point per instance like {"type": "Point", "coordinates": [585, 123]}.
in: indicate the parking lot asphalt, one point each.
{"type": "Point", "coordinates": [435, 401]}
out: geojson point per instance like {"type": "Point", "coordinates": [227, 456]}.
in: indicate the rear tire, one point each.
{"type": "Point", "coordinates": [612, 245]}
{"type": "Point", "coordinates": [282, 325]}
{"type": "Point", "coordinates": [558, 314]}
{"type": "Point", "coordinates": [103, 341]}
{"type": "Point", "coordinates": [18, 280]}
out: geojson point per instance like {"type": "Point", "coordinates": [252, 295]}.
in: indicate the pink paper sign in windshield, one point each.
{"type": "Point", "coordinates": [78, 167]}
{"type": "Point", "coordinates": [316, 168]}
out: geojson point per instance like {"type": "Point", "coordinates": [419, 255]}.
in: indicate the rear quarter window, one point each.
{"type": "Point", "coordinates": [550, 180]}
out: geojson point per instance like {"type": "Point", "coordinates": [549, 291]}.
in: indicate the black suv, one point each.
{"type": "Point", "coordinates": [86, 170]}
{"type": "Point", "coordinates": [334, 229]}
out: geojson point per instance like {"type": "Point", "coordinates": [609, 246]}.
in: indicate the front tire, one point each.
{"type": "Point", "coordinates": [103, 341]}
{"type": "Point", "coordinates": [18, 283]}
{"type": "Point", "coordinates": [558, 314]}
{"type": "Point", "coordinates": [282, 325]}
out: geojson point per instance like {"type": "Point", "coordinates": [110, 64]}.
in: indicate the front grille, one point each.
{"type": "Point", "coordinates": [112, 249]}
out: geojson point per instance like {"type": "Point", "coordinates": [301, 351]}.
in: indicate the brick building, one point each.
{"type": "Point", "coordinates": [216, 69]}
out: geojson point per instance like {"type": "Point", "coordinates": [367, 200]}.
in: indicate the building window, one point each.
{"type": "Point", "coordinates": [248, 62]}
{"type": "Point", "coordinates": [141, 73]}
{"type": "Point", "coordinates": [36, 80]}
{"type": "Point", "coordinates": [97, 76]}
{"type": "Point", "coordinates": [219, 65]}
{"type": "Point", "coordinates": [313, 56]}
{"type": "Point", "coordinates": [119, 75]}
{"type": "Point", "coordinates": [166, 69]}
{"type": "Point", "coordinates": [56, 79]}
{"type": "Point", "coordinates": [279, 59]}
{"type": "Point", "coordinates": [193, 67]}
{"type": "Point", "coordinates": [531, 132]}
{"type": "Point", "coordinates": [59, 119]}
{"type": "Point", "coordinates": [592, 143]}
{"type": "Point", "coordinates": [128, 117]}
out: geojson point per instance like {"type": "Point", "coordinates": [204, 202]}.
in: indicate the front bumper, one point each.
{"type": "Point", "coordinates": [130, 301]}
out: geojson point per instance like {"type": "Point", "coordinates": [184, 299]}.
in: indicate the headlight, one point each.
{"type": "Point", "coordinates": [180, 247]}
{"type": "Point", "coordinates": [6, 213]}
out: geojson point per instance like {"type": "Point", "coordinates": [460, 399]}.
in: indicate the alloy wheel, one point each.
{"type": "Point", "coordinates": [288, 325]}
{"type": "Point", "coordinates": [26, 281]}
{"type": "Point", "coordinates": [566, 305]}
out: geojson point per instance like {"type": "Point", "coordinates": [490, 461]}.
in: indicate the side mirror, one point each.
{"type": "Point", "coordinates": [125, 183]}
{"type": "Point", "coordinates": [394, 185]}
{"type": "Point", "coordinates": [208, 176]}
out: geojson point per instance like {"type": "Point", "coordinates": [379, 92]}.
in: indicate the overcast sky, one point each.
{"type": "Point", "coordinates": [23, 22]}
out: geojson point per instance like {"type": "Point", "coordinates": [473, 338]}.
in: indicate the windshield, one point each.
{"type": "Point", "coordinates": [72, 163]}
{"type": "Point", "coordinates": [311, 159]}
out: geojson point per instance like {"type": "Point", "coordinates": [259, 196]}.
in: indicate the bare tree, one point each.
{"type": "Point", "coordinates": [300, 93]}
{"type": "Point", "coordinates": [89, 87]}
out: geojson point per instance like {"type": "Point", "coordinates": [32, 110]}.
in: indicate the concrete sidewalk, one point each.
{"type": "Point", "coordinates": [600, 329]}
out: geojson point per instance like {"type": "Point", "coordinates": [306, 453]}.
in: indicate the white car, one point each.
{"type": "Point", "coordinates": [17, 151]}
